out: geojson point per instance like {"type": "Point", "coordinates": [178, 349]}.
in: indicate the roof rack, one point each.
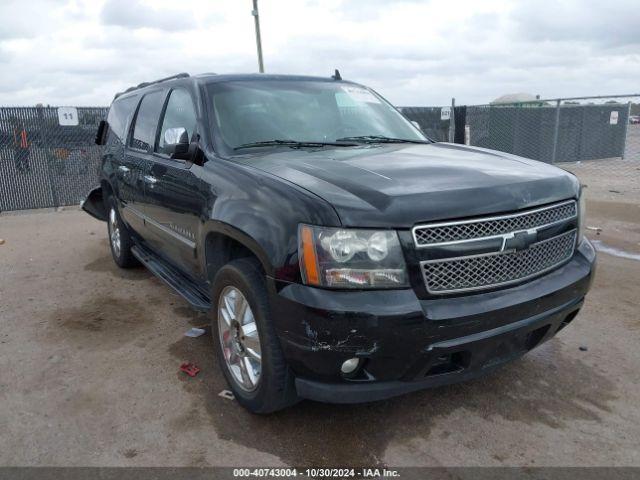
{"type": "Point", "coordinates": [146, 84]}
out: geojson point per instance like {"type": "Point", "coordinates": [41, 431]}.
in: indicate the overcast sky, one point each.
{"type": "Point", "coordinates": [78, 52]}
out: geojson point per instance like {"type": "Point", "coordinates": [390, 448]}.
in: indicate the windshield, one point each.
{"type": "Point", "coordinates": [253, 112]}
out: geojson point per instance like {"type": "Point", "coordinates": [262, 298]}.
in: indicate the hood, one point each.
{"type": "Point", "coordinates": [399, 185]}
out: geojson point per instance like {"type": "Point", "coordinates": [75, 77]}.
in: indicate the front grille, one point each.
{"type": "Point", "coordinates": [437, 233]}
{"type": "Point", "coordinates": [497, 269]}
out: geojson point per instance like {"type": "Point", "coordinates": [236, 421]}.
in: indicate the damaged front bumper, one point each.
{"type": "Point", "coordinates": [405, 343]}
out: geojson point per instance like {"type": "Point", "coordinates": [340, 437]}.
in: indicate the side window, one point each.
{"type": "Point", "coordinates": [180, 113]}
{"type": "Point", "coordinates": [144, 131]}
{"type": "Point", "coordinates": [119, 114]}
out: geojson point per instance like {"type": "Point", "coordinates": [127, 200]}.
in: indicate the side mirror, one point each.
{"type": "Point", "coordinates": [101, 134]}
{"type": "Point", "coordinates": [176, 142]}
{"type": "Point", "coordinates": [179, 147]}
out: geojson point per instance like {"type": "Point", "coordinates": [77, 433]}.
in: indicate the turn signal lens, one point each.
{"type": "Point", "coordinates": [307, 252]}
{"type": "Point", "coordinates": [582, 212]}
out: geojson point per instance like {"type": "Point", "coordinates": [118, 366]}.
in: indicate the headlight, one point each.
{"type": "Point", "coordinates": [582, 215]}
{"type": "Point", "coordinates": [350, 258]}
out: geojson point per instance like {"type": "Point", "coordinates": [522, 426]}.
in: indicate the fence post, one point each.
{"type": "Point", "coordinates": [626, 129]}
{"type": "Point", "coordinates": [452, 121]}
{"type": "Point", "coordinates": [460, 121]}
{"type": "Point", "coordinates": [46, 150]}
{"type": "Point", "coordinates": [555, 132]}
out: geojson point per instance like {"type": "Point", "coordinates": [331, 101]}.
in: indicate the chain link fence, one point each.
{"type": "Point", "coordinates": [612, 176]}
{"type": "Point", "coordinates": [48, 157]}
{"type": "Point", "coordinates": [435, 122]}
{"type": "Point", "coordinates": [597, 138]}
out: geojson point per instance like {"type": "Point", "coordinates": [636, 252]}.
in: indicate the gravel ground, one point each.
{"type": "Point", "coordinates": [89, 358]}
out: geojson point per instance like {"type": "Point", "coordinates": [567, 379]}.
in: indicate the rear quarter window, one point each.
{"type": "Point", "coordinates": [119, 115]}
{"type": "Point", "coordinates": [146, 122]}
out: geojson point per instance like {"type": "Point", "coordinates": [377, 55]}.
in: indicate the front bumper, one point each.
{"type": "Point", "coordinates": [407, 344]}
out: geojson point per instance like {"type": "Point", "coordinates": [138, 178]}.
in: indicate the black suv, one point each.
{"type": "Point", "coordinates": [343, 255]}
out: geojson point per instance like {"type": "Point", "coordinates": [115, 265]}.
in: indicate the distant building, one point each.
{"type": "Point", "coordinates": [516, 98]}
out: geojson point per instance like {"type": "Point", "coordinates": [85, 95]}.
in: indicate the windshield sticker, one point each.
{"type": "Point", "coordinates": [360, 95]}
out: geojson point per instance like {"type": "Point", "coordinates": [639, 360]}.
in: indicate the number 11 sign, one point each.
{"type": "Point", "coordinates": [68, 116]}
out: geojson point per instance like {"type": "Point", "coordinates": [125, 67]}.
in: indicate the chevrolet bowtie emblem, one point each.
{"type": "Point", "coordinates": [519, 240]}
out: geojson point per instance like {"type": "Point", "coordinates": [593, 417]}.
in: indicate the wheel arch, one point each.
{"type": "Point", "coordinates": [224, 243]}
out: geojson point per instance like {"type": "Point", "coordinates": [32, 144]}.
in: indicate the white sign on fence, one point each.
{"type": "Point", "coordinates": [613, 119]}
{"type": "Point", "coordinates": [445, 113]}
{"type": "Point", "coordinates": [68, 116]}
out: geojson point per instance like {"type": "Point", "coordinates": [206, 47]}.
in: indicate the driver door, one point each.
{"type": "Point", "coordinates": [175, 195]}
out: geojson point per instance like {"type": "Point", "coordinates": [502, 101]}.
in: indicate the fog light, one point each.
{"type": "Point", "coordinates": [350, 366]}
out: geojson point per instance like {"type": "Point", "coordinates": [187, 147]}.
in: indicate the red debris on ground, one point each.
{"type": "Point", "coordinates": [190, 369]}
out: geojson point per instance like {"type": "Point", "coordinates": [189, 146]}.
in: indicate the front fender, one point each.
{"type": "Point", "coordinates": [262, 212]}
{"type": "Point", "coordinates": [218, 227]}
{"type": "Point", "coordinates": [94, 204]}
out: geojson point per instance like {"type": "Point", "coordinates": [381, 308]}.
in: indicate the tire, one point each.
{"type": "Point", "coordinates": [274, 388]}
{"type": "Point", "coordinates": [120, 240]}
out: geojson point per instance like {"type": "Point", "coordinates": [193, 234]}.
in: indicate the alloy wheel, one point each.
{"type": "Point", "coordinates": [238, 334]}
{"type": "Point", "coordinates": [114, 232]}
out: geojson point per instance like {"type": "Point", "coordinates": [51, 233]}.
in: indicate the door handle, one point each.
{"type": "Point", "coordinates": [124, 169]}
{"type": "Point", "coordinates": [149, 179]}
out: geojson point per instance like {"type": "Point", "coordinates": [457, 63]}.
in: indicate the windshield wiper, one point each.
{"type": "Point", "coordinates": [295, 144]}
{"type": "Point", "coordinates": [378, 139]}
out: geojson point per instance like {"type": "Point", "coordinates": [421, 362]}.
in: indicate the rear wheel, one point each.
{"type": "Point", "coordinates": [119, 239]}
{"type": "Point", "coordinates": [245, 340]}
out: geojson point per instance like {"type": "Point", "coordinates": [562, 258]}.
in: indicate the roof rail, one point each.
{"type": "Point", "coordinates": [146, 84]}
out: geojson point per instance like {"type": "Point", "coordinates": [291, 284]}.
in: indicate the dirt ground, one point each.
{"type": "Point", "coordinates": [89, 358]}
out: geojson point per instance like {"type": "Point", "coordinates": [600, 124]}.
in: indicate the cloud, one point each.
{"type": "Point", "coordinates": [22, 19]}
{"type": "Point", "coordinates": [370, 9]}
{"type": "Point", "coordinates": [135, 14]}
{"type": "Point", "coordinates": [80, 52]}
{"type": "Point", "coordinates": [608, 24]}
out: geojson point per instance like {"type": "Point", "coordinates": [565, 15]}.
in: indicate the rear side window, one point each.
{"type": "Point", "coordinates": [180, 113]}
{"type": "Point", "coordinates": [119, 114]}
{"type": "Point", "coordinates": [144, 131]}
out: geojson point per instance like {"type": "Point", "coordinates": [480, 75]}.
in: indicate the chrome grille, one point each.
{"type": "Point", "coordinates": [426, 235]}
{"type": "Point", "coordinates": [496, 269]}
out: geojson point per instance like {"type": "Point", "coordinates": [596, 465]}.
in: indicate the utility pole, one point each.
{"type": "Point", "coordinates": [256, 17]}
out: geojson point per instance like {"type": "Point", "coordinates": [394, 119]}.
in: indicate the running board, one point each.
{"type": "Point", "coordinates": [186, 287]}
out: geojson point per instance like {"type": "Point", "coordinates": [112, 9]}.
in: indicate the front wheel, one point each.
{"type": "Point", "coordinates": [245, 340]}
{"type": "Point", "coordinates": [119, 239]}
